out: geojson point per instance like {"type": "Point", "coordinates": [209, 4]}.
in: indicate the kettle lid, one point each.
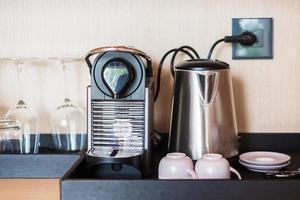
{"type": "Point", "coordinates": [202, 64]}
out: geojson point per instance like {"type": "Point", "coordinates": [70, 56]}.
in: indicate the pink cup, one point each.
{"type": "Point", "coordinates": [176, 166]}
{"type": "Point", "coordinates": [214, 166]}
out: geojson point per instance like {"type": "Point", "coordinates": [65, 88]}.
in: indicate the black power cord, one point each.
{"type": "Point", "coordinates": [172, 67]}
{"type": "Point", "coordinates": [184, 49]}
{"type": "Point", "coordinates": [213, 47]}
{"type": "Point", "coordinates": [246, 39]}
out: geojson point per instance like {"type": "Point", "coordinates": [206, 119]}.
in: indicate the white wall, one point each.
{"type": "Point", "coordinates": [266, 91]}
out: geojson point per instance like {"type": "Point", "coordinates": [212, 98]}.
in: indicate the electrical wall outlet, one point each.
{"type": "Point", "coordinates": [263, 29]}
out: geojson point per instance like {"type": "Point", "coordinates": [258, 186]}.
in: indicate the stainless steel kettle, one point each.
{"type": "Point", "coordinates": [203, 114]}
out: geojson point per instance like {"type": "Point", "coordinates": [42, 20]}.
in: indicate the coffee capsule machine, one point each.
{"type": "Point", "coordinates": [120, 112]}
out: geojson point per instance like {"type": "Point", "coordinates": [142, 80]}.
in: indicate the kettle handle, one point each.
{"type": "Point", "coordinates": [120, 49]}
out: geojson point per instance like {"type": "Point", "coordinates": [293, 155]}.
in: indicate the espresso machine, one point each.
{"type": "Point", "coordinates": [120, 112]}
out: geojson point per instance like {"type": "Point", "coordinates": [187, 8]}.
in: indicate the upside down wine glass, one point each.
{"type": "Point", "coordinates": [25, 115]}
{"type": "Point", "coordinates": [68, 121]}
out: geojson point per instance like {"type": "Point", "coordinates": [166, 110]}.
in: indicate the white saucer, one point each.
{"type": "Point", "coordinates": [264, 158]}
{"type": "Point", "coordinates": [262, 171]}
{"type": "Point", "coordinates": [265, 168]}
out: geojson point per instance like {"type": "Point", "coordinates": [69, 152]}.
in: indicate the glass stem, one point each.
{"type": "Point", "coordinates": [19, 66]}
{"type": "Point", "coordinates": [65, 84]}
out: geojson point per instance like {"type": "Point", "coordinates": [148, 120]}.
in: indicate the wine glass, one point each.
{"type": "Point", "coordinates": [24, 114]}
{"type": "Point", "coordinates": [68, 121]}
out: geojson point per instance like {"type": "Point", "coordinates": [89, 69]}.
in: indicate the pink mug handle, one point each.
{"type": "Point", "coordinates": [192, 173]}
{"type": "Point", "coordinates": [236, 173]}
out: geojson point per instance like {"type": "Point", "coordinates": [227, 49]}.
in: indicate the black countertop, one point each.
{"type": "Point", "coordinates": [47, 164]}
{"type": "Point", "coordinates": [77, 184]}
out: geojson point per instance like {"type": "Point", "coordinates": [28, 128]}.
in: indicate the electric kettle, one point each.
{"type": "Point", "coordinates": [203, 114]}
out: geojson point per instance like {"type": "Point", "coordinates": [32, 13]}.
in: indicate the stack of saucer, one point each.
{"type": "Point", "coordinates": [264, 161]}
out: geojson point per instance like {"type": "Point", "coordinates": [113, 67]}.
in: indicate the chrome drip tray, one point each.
{"type": "Point", "coordinates": [120, 153]}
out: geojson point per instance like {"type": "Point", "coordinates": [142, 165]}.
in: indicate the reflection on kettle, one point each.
{"type": "Point", "coordinates": [208, 86]}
